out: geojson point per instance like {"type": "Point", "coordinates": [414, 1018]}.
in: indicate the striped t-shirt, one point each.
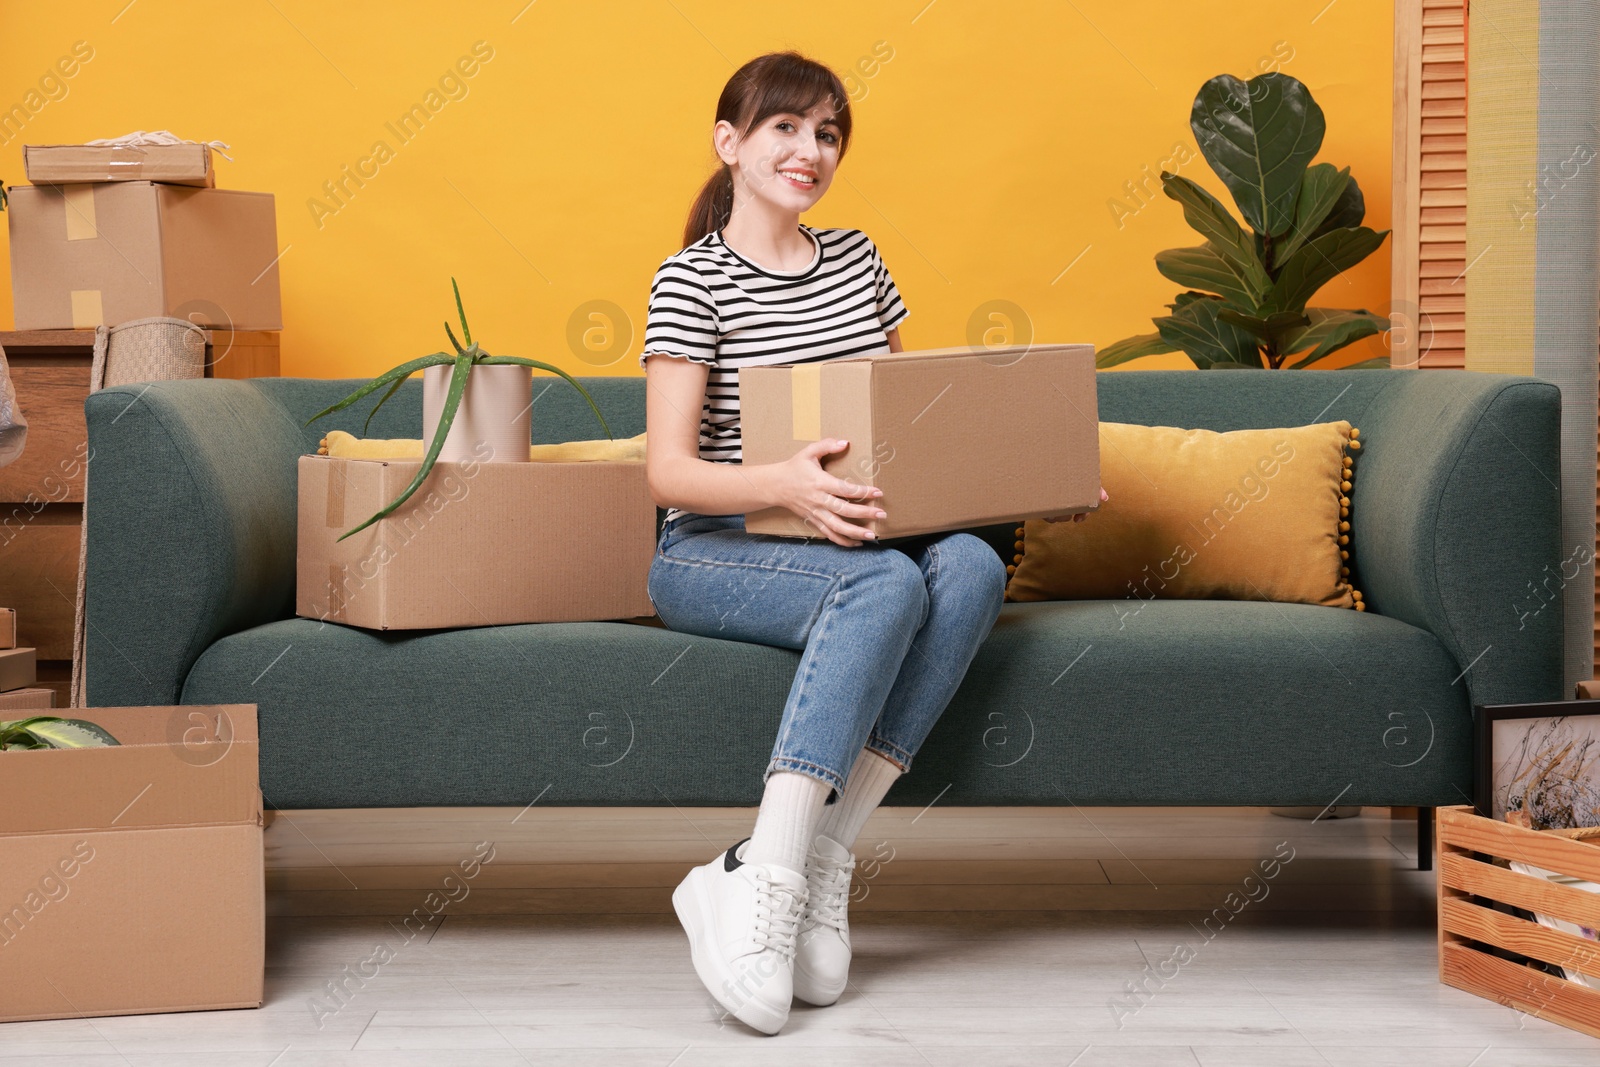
{"type": "Point", "coordinates": [711, 305]}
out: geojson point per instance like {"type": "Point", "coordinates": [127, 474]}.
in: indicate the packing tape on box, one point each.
{"type": "Point", "coordinates": [79, 201]}
{"type": "Point", "coordinates": [336, 572]}
{"type": "Point", "coordinates": [126, 161]}
{"type": "Point", "coordinates": [87, 311]}
{"type": "Point", "coordinates": [334, 515]}
{"type": "Point", "coordinates": [805, 401]}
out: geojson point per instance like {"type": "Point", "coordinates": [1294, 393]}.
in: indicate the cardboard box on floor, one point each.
{"type": "Point", "coordinates": [108, 252]}
{"type": "Point", "coordinates": [171, 164]}
{"type": "Point", "coordinates": [26, 700]}
{"type": "Point", "coordinates": [955, 437]}
{"type": "Point", "coordinates": [131, 876]}
{"type": "Point", "coordinates": [19, 667]}
{"type": "Point", "coordinates": [478, 544]}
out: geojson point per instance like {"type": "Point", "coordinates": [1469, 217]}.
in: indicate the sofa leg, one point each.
{"type": "Point", "coordinates": [1424, 839]}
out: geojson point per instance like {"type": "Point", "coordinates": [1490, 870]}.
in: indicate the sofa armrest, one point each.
{"type": "Point", "coordinates": [190, 518]}
{"type": "Point", "coordinates": [1456, 522]}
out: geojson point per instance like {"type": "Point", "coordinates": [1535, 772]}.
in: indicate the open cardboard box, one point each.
{"type": "Point", "coordinates": [131, 876]}
{"type": "Point", "coordinates": [955, 437]}
{"type": "Point", "coordinates": [478, 544]}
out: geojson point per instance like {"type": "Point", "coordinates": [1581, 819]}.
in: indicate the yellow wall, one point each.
{"type": "Point", "coordinates": [987, 148]}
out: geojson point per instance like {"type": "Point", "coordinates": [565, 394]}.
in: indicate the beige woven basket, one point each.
{"type": "Point", "coordinates": [147, 350]}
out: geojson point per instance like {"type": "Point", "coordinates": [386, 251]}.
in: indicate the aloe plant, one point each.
{"type": "Point", "coordinates": [463, 361]}
{"type": "Point", "coordinates": [1246, 301]}
{"type": "Point", "coordinates": [52, 731]}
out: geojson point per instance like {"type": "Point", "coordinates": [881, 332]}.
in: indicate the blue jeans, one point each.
{"type": "Point", "coordinates": [888, 629]}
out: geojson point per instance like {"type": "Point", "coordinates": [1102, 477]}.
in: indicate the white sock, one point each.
{"type": "Point", "coordinates": [869, 780]}
{"type": "Point", "coordinates": [791, 805]}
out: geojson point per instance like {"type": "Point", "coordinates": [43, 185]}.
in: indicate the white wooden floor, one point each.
{"type": "Point", "coordinates": [563, 950]}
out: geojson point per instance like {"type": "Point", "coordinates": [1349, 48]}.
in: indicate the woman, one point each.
{"type": "Point", "coordinates": [887, 631]}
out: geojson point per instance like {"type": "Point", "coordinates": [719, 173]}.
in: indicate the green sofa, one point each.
{"type": "Point", "coordinates": [1455, 511]}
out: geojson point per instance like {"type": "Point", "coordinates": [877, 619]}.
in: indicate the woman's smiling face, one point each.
{"type": "Point", "coordinates": [788, 160]}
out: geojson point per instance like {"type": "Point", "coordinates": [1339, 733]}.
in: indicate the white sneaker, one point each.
{"type": "Point", "coordinates": [742, 919]}
{"type": "Point", "coordinates": [822, 954]}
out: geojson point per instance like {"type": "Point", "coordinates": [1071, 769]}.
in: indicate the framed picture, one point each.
{"type": "Point", "coordinates": [1538, 762]}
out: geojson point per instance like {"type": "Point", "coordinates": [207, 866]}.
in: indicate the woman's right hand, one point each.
{"type": "Point", "coordinates": [823, 501]}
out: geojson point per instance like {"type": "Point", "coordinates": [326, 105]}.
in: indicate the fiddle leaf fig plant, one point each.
{"type": "Point", "coordinates": [1244, 305]}
{"type": "Point", "coordinates": [51, 731]}
{"type": "Point", "coordinates": [462, 362]}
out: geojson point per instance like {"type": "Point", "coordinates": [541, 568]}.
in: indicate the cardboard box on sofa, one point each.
{"type": "Point", "coordinates": [19, 667]}
{"type": "Point", "coordinates": [108, 252]}
{"type": "Point", "coordinates": [478, 544]}
{"type": "Point", "coordinates": [955, 437]}
{"type": "Point", "coordinates": [27, 700]}
{"type": "Point", "coordinates": [172, 164]}
{"type": "Point", "coordinates": [8, 627]}
{"type": "Point", "coordinates": [131, 876]}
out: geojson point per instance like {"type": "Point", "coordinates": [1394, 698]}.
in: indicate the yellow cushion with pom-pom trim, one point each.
{"type": "Point", "coordinates": [1242, 515]}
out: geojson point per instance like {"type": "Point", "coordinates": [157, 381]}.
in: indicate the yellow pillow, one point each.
{"type": "Point", "coordinates": [1243, 515]}
{"type": "Point", "coordinates": [342, 445]}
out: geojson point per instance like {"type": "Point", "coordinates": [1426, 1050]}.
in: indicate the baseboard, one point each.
{"type": "Point", "coordinates": [503, 861]}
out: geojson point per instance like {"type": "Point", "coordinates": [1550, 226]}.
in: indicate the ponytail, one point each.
{"type": "Point", "coordinates": [712, 208]}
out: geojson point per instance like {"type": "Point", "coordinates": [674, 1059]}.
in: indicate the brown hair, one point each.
{"type": "Point", "coordinates": [773, 84]}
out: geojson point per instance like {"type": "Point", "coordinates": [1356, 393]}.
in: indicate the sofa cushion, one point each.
{"type": "Point", "coordinates": [1242, 515]}
{"type": "Point", "coordinates": [1068, 702]}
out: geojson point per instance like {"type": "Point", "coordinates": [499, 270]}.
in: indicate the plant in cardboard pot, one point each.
{"type": "Point", "coordinates": [1246, 302]}
{"type": "Point", "coordinates": [460, 367]}
{"type": "Point", "coordinates": [52, 731]}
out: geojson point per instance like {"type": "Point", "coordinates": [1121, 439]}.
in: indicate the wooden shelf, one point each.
{"type": "Point", "coordinates": [229, 353]}
{"type": "Point", "coordinates": [41, 494]}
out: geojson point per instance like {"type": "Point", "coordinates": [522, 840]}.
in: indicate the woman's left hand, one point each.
{"type": "Point", "coordinates": [1080, 516]}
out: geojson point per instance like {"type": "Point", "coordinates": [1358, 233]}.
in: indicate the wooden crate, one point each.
{"type": "Point", "coordinates": [1471, 884]}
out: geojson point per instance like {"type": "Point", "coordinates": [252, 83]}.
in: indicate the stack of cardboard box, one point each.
{"type": "Point", "coordinates": [18, 673]}
{"type": "Point", "coordinates": [107, 234]}
{"type": "Point", "coordinates": [130, 875]}
{"type": "Point", "coordinates": [110, 233]}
